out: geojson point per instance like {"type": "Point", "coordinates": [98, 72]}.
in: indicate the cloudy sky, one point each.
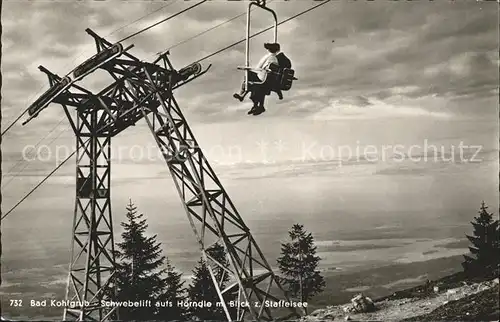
{"type": "Point", "coordinates": [369, 73]}
{"type": "Point", "coordinates": [433, 59]}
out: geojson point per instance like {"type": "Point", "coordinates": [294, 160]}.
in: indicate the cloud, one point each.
{"type": "Point", "coordinates": [344, 109]}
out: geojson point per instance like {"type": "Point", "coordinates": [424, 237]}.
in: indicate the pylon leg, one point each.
{"type": "Point", "coordinates": [92, 257]}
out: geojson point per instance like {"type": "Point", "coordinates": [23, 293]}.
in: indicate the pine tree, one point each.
{"type": "Point", "coordinates": [298, 265]}
{"type": "Point", "coordinates": [485, 245]}
{"type": "Point", "coordinates": [173, 294]}
{"type": "Point", "coordinates": [139, 269]}
{"type": "Point", "coordinates": [202, 287]}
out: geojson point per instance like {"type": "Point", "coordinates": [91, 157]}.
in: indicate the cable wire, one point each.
{"type": "Point", "coordinates": [17, 119]}
{"type": "Point", "coordinates": [39, 184]}
{"type": "Point", "coordinates": [208, 30]}
{"type": "Point", "coordinates": [38, 143]}
{"type": "Point", "coordinates": [142, 17]}
{"type": "Point", "coordinates": [262, 31]}
{"type": "Point", "coordinates": [162, 21]}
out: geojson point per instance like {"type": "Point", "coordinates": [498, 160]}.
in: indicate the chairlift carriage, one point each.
{"type": "Point", "coordinates": [277, 78]}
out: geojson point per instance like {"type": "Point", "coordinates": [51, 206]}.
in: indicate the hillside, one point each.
{"type": "Point", "coordinates": [482, 306]}
{"type": "Point", "coordinates": [450, 298]}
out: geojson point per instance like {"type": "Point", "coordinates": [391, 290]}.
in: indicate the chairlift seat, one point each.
{"type": "Point", "coordinates": [281, 78]}
{"type": "Point", "coordinates": [276, 78]}
{"type": "Point", "coordinates": [287, 78]}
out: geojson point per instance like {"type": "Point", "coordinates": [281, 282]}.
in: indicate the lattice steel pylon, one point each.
{"type": "Point", "coordinates": [145, 90]}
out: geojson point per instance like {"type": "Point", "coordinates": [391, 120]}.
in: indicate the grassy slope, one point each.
{"type": "Point", "coordinates": [482, 306]}
{"type": "Point", "coordinates": [382, 281]}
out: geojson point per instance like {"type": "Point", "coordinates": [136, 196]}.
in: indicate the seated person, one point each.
{"type": "Point", "coordinates": [259, 90]}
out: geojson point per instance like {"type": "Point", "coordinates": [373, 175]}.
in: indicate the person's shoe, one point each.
{"type": "Point", "coordinates": [259, 110]}
{"type": "Point", "coordinates": [252, 110]}
{"type": "Point", "coordinates": [238, 97]}
{"type": "Point", "coordinates": [280, 95]}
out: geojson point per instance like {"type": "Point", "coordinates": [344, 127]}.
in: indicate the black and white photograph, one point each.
{"type": "Point", "coordinates": [249, 160]}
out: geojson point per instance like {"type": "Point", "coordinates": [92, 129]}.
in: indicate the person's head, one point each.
{"type": "Point", "coordinates": [272, 47]}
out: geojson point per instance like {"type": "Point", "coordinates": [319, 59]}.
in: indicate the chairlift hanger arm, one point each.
{"type": "Point", "coordinates": [260, 4]}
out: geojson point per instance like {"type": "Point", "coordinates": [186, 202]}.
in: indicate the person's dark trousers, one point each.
{"type": "Point", "coordinates": [258, 95]}
{"type": "Point", "coordinates": [252, 77]}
